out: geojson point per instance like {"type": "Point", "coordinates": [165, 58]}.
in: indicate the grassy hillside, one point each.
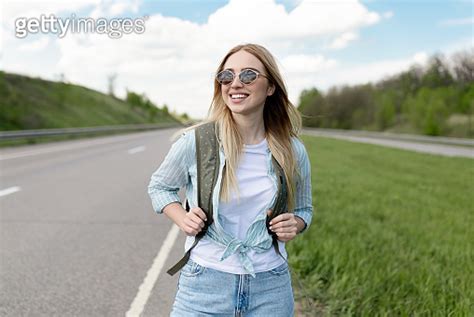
{"type": "Point", "coordinates": [32, 103]}
{"type": "Point", "coordinates": [391, 234]}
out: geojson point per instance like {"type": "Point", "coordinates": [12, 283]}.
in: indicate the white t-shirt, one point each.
{"type": "Point", "coordinates": [236, 216]}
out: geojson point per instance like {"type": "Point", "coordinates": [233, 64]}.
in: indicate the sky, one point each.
{"type": "Point", "coordinates": [173, 57]}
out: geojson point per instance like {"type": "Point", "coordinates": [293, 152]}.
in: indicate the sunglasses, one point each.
{"type": "Point", "coordinates": [246, 76]}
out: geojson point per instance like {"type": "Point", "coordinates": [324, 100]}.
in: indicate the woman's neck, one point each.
{"type": "Point", "coordinates": [252, 130]}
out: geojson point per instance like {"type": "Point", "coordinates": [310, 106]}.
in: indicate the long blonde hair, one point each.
{"type": "Point", "coordinates": [281, 119]}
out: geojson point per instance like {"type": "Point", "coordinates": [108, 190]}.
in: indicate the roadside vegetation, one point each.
{"type": "Point", "coordinates": [391, 234]}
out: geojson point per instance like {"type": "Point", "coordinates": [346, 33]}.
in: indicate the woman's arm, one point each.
{"type": "Point", "coordinates": [303, 195]}
{"type": "Point", "coordinates": [288, 225]}
{"type": "Point", "coordinates": [173, 173]}
{"type": "Point", "coordinates": [166, 181]}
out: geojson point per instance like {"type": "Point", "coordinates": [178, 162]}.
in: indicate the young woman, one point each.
{"type": "Point", "coordinates": [234, 270]}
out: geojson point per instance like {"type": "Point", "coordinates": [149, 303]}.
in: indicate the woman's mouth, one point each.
{"type": "Point", "coordinates": [238, 98]}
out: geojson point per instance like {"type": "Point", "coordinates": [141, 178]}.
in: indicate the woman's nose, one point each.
{"type": "Point", "coordinates": [236, 82]}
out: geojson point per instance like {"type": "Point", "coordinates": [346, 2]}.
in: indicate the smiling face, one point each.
{"type": "Point", "coordinates": [246, 99]}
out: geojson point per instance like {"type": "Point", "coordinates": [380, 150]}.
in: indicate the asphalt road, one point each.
{"type": "Point", "coordinates": [78, 233]}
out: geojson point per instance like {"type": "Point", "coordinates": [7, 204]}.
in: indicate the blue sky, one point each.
{"type": "Point", "coordinates": [318, 43]}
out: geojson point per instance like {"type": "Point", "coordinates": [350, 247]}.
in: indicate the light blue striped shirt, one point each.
{"type": "Point", "coordinates": [179, 170]}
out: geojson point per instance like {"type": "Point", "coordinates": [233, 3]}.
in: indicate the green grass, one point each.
{"type": "Point", "coordinates": [392, 232]}
{"type": "Point", "coordinates": [34, 103]}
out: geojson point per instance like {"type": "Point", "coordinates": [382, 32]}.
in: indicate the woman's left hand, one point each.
{"type": "Point", "coordinates": [285, 226]}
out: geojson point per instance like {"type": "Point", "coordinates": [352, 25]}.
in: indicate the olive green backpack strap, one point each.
{"type": "Point", "coordinates": [207, 165]}
{"type": "Point", "coordinates": [280, 205]}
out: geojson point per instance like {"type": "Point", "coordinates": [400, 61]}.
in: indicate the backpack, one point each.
{"type": "Point", "coordinates": [207, 161]}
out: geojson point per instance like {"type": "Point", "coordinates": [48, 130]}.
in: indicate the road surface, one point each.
{"type": "Point", "coordinates": [78, 233]}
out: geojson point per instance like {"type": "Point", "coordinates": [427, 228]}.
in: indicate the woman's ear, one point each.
{"type": "Point", "coordinates": [270, 90]}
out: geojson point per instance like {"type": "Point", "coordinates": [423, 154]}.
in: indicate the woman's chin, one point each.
{"type": "Point", "coordinates": [236, 110]}
{"type": "Point", "coordinates": [235, 106]}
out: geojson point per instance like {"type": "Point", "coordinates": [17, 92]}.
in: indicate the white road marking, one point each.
{"type": "Point", "coordinates": [9, 190]}
{"type": "Point", "coordinates": [136, 149]}
{"type": "Point", "coordinates": [144, 291]}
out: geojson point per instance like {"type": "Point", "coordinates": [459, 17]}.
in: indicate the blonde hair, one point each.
{"type": "Point", "coordinates": [281, 119]}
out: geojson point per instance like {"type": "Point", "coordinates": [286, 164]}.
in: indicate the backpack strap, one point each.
{"type": "Point", "coordinates": [207, 164]}
{"type": "Point", "coordinates": [280, 205]}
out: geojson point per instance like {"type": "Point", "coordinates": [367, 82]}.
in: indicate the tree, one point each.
{"type": "Point", "coordinates": [464, 66]}
{"type": "Point", "coordinates": [111, 83]}
{"type": "Point", "coordinates": [437, 74]}
{"type": "Point", "coordinates": [428, 110]}
{"type": "Point", "coordinates": [467, 107]}
{"type": "Point", "coordinates": [385, 113]}
{"type": "Point", "coordinates": [134, 99]}
{"type": "Point", "coordinates": [311, 107]}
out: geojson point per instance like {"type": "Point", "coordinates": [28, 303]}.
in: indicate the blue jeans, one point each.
{"type": "Point", "coordinates": [203, 291]}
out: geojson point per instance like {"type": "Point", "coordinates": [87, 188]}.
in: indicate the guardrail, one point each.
{"type": "Point", "coordinates": [392, 136]}
{"type": "Point", "coordinates": [21, 134]}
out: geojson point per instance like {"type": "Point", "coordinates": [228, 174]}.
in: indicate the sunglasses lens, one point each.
{"type": "Point", "coordinates": [225, 77]}
{"type": "Point", "coordinates": [248, 76]}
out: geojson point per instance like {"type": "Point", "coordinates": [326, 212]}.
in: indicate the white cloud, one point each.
{"type": "Point", "coordinates": [11, 10]}
{"type": "Point", "coordinates": [174, 61]}
{"type": "Point", "coordinates": [2, 31]}
{"type": "Point", "coordinates": [343, 40]}
{"type": "Point", "coordinates": [36, 45]}
{"type": "Point", "coordinates": [31, 8]}
{"type": "Point", "coordinates": [368, 72]}
{"type": "Point", "coordinates": [114, 8]}
{"type": "Point", "coordinates": [420, 58]}
{"type": "Point", "coordinates": [300, 63]}
{"type": "Point", "coordinates": [337, 74]}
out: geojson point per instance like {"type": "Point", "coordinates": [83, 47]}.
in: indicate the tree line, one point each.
{"type": "Point", "coordinates": [435, 99]}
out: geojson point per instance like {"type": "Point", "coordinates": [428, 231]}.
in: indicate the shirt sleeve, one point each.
{"type": "Point", "coordinates": [304, 198]}
{"type": "Point", "coordinates": [173, 173]}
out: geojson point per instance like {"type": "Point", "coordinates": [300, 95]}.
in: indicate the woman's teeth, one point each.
{"type": "Point", "coordinates": [239, 96]}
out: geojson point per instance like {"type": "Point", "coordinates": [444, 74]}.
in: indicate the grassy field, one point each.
{"type": "Point", "coordinates": [392, 233]}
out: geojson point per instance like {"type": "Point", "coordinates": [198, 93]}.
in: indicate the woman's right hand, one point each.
{"type": "Point", "coordinates": [193, 221]}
